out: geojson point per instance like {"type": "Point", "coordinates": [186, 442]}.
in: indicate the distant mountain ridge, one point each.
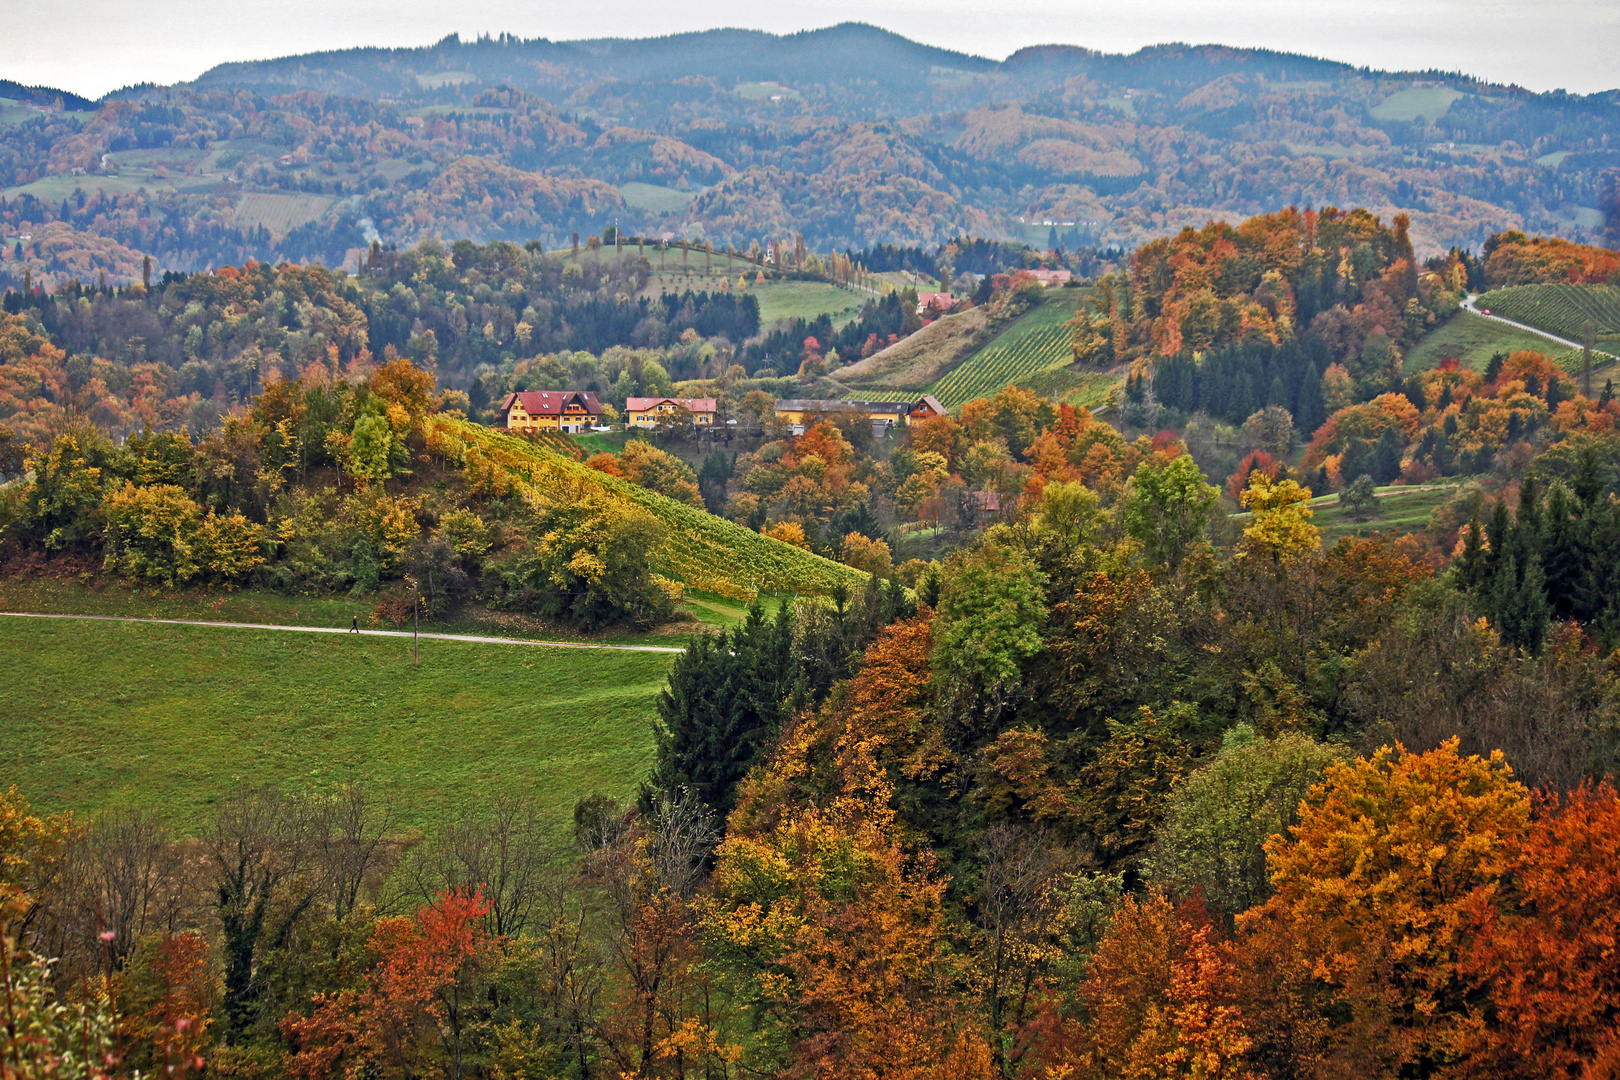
{"type": "Point", "coordinates": [848, 135]}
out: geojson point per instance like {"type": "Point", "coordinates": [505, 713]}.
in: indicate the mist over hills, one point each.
{"type": "Point", "coordinates": [849, 135]}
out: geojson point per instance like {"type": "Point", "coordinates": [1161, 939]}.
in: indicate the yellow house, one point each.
{"type": "Point", "coordinates": [549, 410]}
{"type": "Point", "coordinates": [648, 412]}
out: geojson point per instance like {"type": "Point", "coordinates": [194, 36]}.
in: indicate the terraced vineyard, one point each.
{"type": "Point", "coordinates": [704, 552]}
{"type": "Point", "coordinates": [1561, 310]}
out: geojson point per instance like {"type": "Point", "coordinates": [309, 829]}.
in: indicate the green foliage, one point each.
{"type": "Point", "coordinates": [727, 698]}
{"type": "Point", "coordinates": [991, 606]}
{"type": "Point", "coordinates": [1168, 509]}
{"type": "Point", "coordinates": [1359, 500]}
{"type": "Point", "coordinates": [593, 561]}
{"type": "Point", "coordinates": [1218, 818]}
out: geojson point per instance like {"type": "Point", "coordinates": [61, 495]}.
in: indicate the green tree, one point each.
{"type": "Point", "coordinates": [1168, 509]}
{"type": "Point", "coordinates": [1360, 500]}
{"type": "Point", "coordinates": [593, 563]}
{"type": "Point", "coordinates": [152, 534]}
{"type": "Point", "coordinates": [991, 610]}
{"type": "Point", "coordinates": [371, 448]}
{"type": "Point", "coordinates": [726, 698]}
{"type": "Point", "coordinates": [1218, 819]}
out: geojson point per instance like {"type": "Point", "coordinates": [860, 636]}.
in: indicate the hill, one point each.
{"type": "Point", "coordinates": [1028, 351]}
{"type": "Point", "coordinates": [1564, 310]}
{"type": "Point", "coordinates": [849, 136]}
{"type": "Point", "coordinates": [704, 552]}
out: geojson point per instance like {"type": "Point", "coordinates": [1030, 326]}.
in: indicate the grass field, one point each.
{"type": "Point", "coordinates": [102, 596]}
{"type": "Point", "coordinates": [280, 213]}
{"type": "Point", "coordinates": [1473, 340]}
{"type": "Point", "coordinates": [655, 199]}
{"type": "Point", "coordinates": [806, 300]}
{"type": "Point", "coordinates": [104, 714]}
{"type": "Point", "coordinates": [1401, 510]}
{"type": "Point", "coordinates": [1429, 102]}
{"type": "Point", "coordinates": [1561, 309]}
{"type": "Point", "coordinates": [1030, 350]}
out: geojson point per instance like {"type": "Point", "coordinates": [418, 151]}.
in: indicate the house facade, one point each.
{"type": "Point", "coordinates": [550, 410]}
{"type": "Point", "coordinates": [1052, 277]}
{"type": "Point", "coordinates": [646, 412]}
{"type": "Point", "coordinates": [799, 413]}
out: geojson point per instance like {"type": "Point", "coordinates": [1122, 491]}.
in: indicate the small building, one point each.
{"type": "Point", "coordinates": [799, 413]}
{"type": "Point", "coordinates": [986, 502]}
{"type": "Point", "coordinates": [550, 410]}
{"type": "Point", "coordinates": [925, 408]}
{"type": "Point", "coordinates": [647, 412]}
{"type": "Point", "coordinates": [934, 301]}
{"type": "Point", "coordinates": [1051, 277]}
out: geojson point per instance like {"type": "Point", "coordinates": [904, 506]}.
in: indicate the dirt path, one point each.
{"type": "Point", "coordinates": [467, 638]}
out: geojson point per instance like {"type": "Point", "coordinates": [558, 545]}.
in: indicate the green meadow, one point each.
{"type": "Point", "coordinates": [102, 714]}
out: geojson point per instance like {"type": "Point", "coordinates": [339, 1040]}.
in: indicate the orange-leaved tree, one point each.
{"type": "Point", "coordinates": [416, 1004]}
{"type": "Point", "coordinates": [1550, 950]}
{"type": "Point", "coordinates": [1379, 885]}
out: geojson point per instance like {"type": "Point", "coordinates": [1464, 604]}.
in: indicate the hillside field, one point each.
{"type": "Point", "coordinates": [1472, 340]}
{"type": "Point", "coordinates": [1561, 309]}
{"type": "Point", "coordinates": [173, 717]}
{"type": "Point", "coordinates": [1033, 349]}
{"type": "Point", "coordinates": [703, 552]}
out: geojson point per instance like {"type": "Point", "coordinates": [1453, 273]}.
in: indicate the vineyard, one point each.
{"type": "Point", "coordinates": [1001, 365]}
{"type": "Point", "coordinates": [704, 552]}
{"type": "Point", "coordinates": [1561, 309]}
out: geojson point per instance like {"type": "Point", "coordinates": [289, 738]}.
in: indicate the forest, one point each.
{"type": "Point", "coordinates": [1039, 748]}
{"type": "Point", "coordinates": [852, 137]}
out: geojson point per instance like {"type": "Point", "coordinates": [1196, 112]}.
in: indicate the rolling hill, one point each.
{"type": "Point", "coordinates": [704, 552]}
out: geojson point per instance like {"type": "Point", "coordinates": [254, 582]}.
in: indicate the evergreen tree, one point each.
{"type": "Point", "coordinates": [1498, 532]}
{"type": "Point", "coordinates": [1563, 553]}
{"type": "Point", "coordinates": [1518, 602]}
{"type": "Point", "coordinates": [1385, 464]}
{"type": "Point", "coordinates": [1311, 412]}
{"type": "Point", "coordinates": [1470, 564]}
{"type": "Point", "coordinates": [727, 697]}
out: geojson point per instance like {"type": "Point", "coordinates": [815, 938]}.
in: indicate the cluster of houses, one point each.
{"type": "Point", "coordinates": [574, 411]}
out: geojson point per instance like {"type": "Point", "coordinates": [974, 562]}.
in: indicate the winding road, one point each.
{"type": "Point", "coordinates": [1469, 306]}
{"type": "Point", "coordinates": [467, 638]}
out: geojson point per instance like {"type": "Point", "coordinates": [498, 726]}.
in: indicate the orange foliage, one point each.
{"type": "Point", "coordinates": [1550, 949]}
{"type": "Point", "coordinates": [409, 994]}
{"type": "Point", "coordinates": [1511, 258]}
{"type": "Point", "coordinates": [1257, 460]}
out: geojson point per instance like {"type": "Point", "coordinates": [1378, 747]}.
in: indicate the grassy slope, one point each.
{"type": "Point", "coordinates": [102, 714]}
{"type": "Point", "coordinates": [806, 300]}
{"type": "Point", "coordinates": [918, 361]}
{"type": "Point", "coordinates": [1472, 339]}
{"type": "Point", "coordinates": [705, 552]}
{"type": "Point", "coordinates": [1401, 510]}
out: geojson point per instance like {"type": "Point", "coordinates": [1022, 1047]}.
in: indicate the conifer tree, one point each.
{"type": "Point", "coordinates": [727, 696]}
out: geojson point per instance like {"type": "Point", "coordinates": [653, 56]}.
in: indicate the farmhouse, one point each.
{"type": "Point", "coordinates": [556, 410]}
{"type": "Point", "coordinates": [934, 301]}
{"type": "Point", "coordinates": [651, 411]}
{"type": "Point", "coordinates": [1051, 277]}
{"type": "Point", "coordinates": [883, 414]}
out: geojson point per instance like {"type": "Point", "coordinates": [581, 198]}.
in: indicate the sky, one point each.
{"type": "Point", "coordinates": [94, 46]}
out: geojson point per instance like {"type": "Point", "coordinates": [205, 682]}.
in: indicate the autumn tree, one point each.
{"type": "Point", "coordinates": [1378, 883]}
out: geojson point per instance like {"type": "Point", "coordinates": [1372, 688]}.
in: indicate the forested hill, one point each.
{"type": "Point", "coordinates": [849, 136]}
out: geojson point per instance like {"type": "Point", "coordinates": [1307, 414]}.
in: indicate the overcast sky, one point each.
{"type": "Point", "coordinates": [93, 46]}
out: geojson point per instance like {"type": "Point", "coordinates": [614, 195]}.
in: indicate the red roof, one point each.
{"type": "Point", "coordinates": [550, 402]}
{"type": "Point", "coordinates": [690, 404]}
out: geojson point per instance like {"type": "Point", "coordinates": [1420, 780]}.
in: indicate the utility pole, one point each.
{"type": "Point", "coordinates": [416, 648]}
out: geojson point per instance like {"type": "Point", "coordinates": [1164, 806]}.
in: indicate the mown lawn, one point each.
{"type": "Point", "coordinates": [1473, 340]}
{"type": "Point", "coordinates": [102, 596]}
{"type": "Point", "coordinates": [103, 714]}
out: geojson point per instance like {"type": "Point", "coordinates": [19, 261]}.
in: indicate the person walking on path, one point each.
{"type": "Point", "coordinates": [354, 624]}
